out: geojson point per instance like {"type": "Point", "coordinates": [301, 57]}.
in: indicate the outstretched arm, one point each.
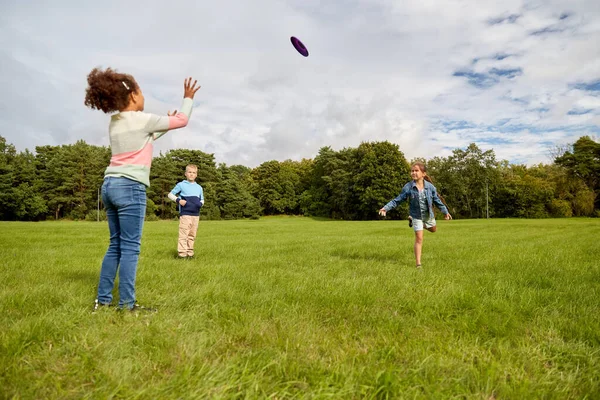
{"type": "Point", "coordinates": [395, 202]}
{"type": "Point", "coordinates": [174, 120]}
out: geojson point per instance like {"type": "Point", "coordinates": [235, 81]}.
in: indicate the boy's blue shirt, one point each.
{"type": "Point", "coordinates": [193, 194]}
{"type": "Point", "coordinates": [411, 192]}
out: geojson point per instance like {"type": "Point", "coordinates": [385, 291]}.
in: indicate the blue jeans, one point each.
{"type": "Point", "coordinates": [125, 204]}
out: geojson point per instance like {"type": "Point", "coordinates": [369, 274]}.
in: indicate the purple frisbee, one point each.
{"type": "Point", "coordinates": [299, 46]}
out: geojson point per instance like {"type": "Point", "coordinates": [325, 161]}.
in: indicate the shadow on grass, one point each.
{"type": "Point", "coordinates": [323, 219]}
{"type": "Point", "coordinates": [82, 276]}
{"type": "Point", "coordinates": [377, 218]}
{"type": "Point", "coordinates": [361, 256]}
{"type": "Point", "coordinates": [175, 255]}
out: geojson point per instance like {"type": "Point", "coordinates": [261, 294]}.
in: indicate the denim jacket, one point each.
{"type": "Point", "coordinates": [410, 191]}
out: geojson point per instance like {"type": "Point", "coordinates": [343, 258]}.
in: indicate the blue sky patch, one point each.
{"type": "Point", "coordinates": [580, 111]}
{"type": "Point", "coordinates": [590, 86]}
{"type": "Point", "coordinates": [502, 56]}
{"type": "Point", "coordinates": [486, 80]}
{"type": "Point", "coordinates": [503, 126]}
{"type": "Point", "coordinates": [510, 19]}
{"type": "Point", "coordinates": [482, 81]}
{"type": "Point", "coordinates": [547, 30]}
{"type": "Point", "coordinates": [540, 109]}
{"type": "Point", "coordinates": [495, 140]}
{"type": "Point", "coordinates": [457, 125]}
{"type": "Point", "coordinates": [519, 100]}
{"type": "Point", "coordinates": [498, 56]}
{"type": "Point", "coordinates": [564, 15]}
{"type": "Point", "coordinates": [507, 72]}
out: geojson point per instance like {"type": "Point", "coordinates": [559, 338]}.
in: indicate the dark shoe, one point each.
{"type": "Point", "coordinates": [182, 257]}
{"type": "Point", "coordinates": [410, 222]}
{"type": "Point", "coordinates": [190, 257]}
{"type": "Point", "coordinates": [98, 305]}
{"type": "Point", "coordinates": [140, 308]}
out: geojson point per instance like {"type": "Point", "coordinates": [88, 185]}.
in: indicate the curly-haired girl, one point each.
{"type": "Point", "coordinates": [132, 133]}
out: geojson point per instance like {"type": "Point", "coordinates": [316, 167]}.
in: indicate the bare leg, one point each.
{"type": "Point", "coordinates": [418, 246]}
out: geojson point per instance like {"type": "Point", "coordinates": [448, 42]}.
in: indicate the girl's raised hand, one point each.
{"type": "Point", "coordinates": [448, 216]}
{"type": "Point", "coordinates": [190, 90]}
{"type": "Point", "coordinates": [382, 212]}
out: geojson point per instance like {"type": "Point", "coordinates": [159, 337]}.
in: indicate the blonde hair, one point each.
{"type": "Point", "coordinates": [191, 166]}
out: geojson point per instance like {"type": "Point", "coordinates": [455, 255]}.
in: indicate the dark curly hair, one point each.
{"type": "Point", "coordinates": [109, 90]}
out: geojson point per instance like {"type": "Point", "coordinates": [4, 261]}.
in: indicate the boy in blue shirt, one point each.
{"type": "Point", "coordinates": [190, 198]}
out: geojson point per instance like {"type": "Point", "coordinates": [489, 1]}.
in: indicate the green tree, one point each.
{"type": "Point", "coordinates": [47, 177]}
{"type": "Point", "coordinates": [571, 195]}
{"type": "Point", "coordinates": [29, 204]}
{"type": "Point", "coordinates": [70, 177]}
{"type": "Point", "coordinates": [275, 187]}
{"type": "Point", "coordinates": [7, 154]}
{"type": "Point", "coordinates": [584, 162]}
{"type": "Point", "coordinates": [233, 194]}
{"type": "Point", "coordinates": [299, 173]}
{"type": "Point", "coordinates": [164, 175]}
{"type": "Point", "coordinates": [380, 170]}
{"type": "Point", "coordinates": [467, 180]}
{"type": "Point", "coordinates": [525, 193]}
{"type": "Point", "coordinates": [354, 183]}
{"type": "Point", "coordinates": [11, 179]}
{"type": "Point", "coordinates": [330, 188]}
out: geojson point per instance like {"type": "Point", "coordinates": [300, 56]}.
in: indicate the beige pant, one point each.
{"type": "Point", "coordinates": [188, 226]}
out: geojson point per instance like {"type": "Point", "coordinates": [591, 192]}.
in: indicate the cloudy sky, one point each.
{"type": "Point", "coordinates": [517, 76]}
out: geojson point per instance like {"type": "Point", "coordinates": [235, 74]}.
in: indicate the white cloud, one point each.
{"type": "Point", "coordinates": [377, 70]}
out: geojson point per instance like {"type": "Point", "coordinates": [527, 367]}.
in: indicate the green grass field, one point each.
{"type": "Point", "coordinates": [304, 308]}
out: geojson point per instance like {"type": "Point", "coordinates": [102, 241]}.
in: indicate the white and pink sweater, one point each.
{"type": "Point", "coordinates": [132, 134]}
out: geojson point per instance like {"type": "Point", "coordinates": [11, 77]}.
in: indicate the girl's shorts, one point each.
{"type": "Point", "coordinates": [418, 224]}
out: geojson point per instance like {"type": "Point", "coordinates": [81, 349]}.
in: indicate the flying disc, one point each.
{"type": "Point", "coordinates": [299, 46]}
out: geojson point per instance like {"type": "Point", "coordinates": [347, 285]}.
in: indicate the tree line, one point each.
{"type": "Point", "coordinates": [63, 182]}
